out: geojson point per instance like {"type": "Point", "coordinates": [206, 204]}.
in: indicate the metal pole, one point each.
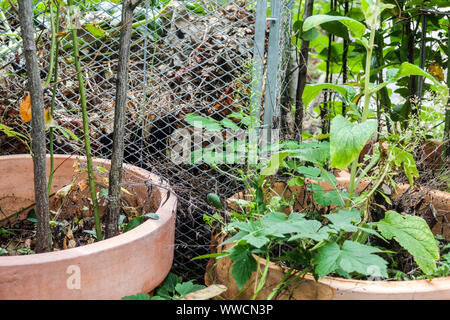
{"type": "Point", "coordinates": [257, 78]}
{"type": "Point", "coordinates": [271, 107]}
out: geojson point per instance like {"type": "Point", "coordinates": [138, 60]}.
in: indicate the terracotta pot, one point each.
{"type": "Point", "coordinates": [219, 270]}
{"type": "Point", "coordinates": [136, 261]}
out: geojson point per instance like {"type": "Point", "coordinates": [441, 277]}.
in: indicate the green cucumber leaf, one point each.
{"type": "Point", "coordinates": [187, 287]}
{"type": "Point", "coordinates": [413, 234]}
{"type": "Point", "coordinates": [352, 257]}
{"type": "Point", "coordinates": [347, 140]}
{"type": "Point", "coordinates": [345, 220]}
{"type": "Point", "coordinates": [244, 265]}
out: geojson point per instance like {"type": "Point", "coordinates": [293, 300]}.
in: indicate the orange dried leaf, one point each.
{"type": "Point", "coordinates": [25, 108]}
{"type": "Point", "coordinates": [436, 71]}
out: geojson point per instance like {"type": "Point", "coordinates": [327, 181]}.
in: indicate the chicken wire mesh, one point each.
{"type": "Point", "coordinates": [210, 58]}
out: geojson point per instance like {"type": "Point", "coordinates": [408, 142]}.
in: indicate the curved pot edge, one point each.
{"type": "Point", "coordinates": [166, 213]}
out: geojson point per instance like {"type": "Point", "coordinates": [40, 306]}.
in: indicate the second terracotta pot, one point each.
{"type": "Point", "coordinates": [219, 270]}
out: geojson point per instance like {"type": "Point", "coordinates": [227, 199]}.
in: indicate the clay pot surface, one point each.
{"type": "Point", "coordinates": [133, 262]}
{"type": "Point", "coordinates": [219, 270]}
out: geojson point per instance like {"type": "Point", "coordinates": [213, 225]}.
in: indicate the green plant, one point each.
{"type": "Point", "coordinates": [87, 143]}
{"type": "Point", "coordinates": [173, 288]}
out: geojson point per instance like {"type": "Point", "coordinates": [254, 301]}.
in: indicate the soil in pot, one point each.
{"type": "Point", "coordinates": [71, 213]}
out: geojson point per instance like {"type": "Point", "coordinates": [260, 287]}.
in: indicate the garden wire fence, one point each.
{"type": "Point", "coordinates": [212, 58]}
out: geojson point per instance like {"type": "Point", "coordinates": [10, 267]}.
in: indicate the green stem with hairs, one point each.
{"type": "Point", "coordinates": [367, 95]}
{"type": "Point", "coordinates": [87, 143]}
{"type": "Point", "coordinates": [53, 68]}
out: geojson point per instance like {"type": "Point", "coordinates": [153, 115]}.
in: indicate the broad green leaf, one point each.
{"type": "Point", "coordinates": [345, 220]}
{"type": "Point", "coordinates": [336, 28]}
{"type": "Point", "coordinates": [352, 257]}
{"type": "Point", "coordinates": [356, 28]}
{"type": "Point", "coordinates": [168, 286]}
{"type": "Point", "coordinates": [413, 234]}
{"type": "Point", "coordinates": [347, 139]}
{"type": "Point", "coordinates": [315, 152]}
{"type": "Point", "coordinates": [244, 265]}
{"type": "Point", "coordinates": [257, 240]}
{"type": "Point", "coordinates": [195, 7]}
{"type": "Point", "coordinates": [187, 287]}
{"type": "Point", "coordinates": [327, 259]}
{"type": "Point", "coordinates": [309, 229]}
{"type": "Point", "coordinates": [202, 122]}
{"type": "Point", "coordinates": [309, 172]}
{"type": "Point", "coordinates": [357, 257]}
{"type": "Point", "coordinates": [321, 199]}
{"type": "Point", "coordinates": [310, 35]}
{"type": "Point", "coordinates": [273, 218]}
{"type": "Point", "coordinates": [313, 90]}
{"type": "Point", "coordinates": [326, 198]}
{"type": "Point", "coordinates": [248, 226]}
{"type": "Point", "coordinates": [407, 69]}
{"type": "Point", "coordinates": [296, 216]}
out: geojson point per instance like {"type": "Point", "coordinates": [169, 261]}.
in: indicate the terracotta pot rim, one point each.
{"type": "Point", "coordinates": [381, 283]}
{"type": "Point", "coordinates": [164, 212]}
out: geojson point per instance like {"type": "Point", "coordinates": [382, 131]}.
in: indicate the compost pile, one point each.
{"type": "Point", "coordinates": [186, 60]}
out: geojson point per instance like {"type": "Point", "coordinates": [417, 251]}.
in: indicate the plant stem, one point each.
{"type": "Point", "coordinates": [345, 59]}
{"type": "Point", "coordinates": [54, 51]}
{"type": "Point", "coordinates": [37, 128]}
{"type": "Point", "coordinates": [367, 95]}
{"type": "Point", "coordinates": [87, 143]}
{"type": "Point", "coordinates": [263, 277]}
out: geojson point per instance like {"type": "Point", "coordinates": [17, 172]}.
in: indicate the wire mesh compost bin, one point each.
{"type": "Point", "coordinates": [209, 58]}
